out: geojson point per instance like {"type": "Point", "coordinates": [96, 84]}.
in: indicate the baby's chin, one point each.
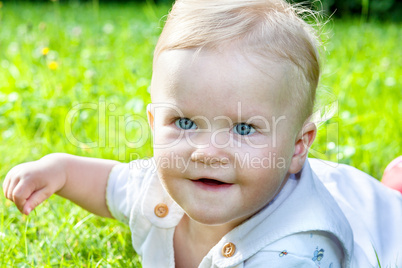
{"type": "Point", "coordinates": [217, 219]}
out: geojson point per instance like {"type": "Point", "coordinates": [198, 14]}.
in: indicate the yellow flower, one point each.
{"type": "Point", "coordinates": [45, 50]}
{"type": "Point", "coordinates": [53, 65]}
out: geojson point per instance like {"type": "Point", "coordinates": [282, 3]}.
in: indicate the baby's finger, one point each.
{"type": "Point", "coordinates": [11, 186]}
{"type": "Point", "coordinates": [35, 200]}
{"type": "Point", "coordinates": [6, 182]}
{"type": "Point", "coordinates": [21, 193]}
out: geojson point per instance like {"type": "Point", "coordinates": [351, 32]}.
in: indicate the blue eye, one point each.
{"type": "Point", "coordinates": [244, 129]}
{"type": "Point", "coordinates": [185, 123]}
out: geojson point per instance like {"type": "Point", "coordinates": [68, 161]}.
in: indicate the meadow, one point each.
{"type": "Point", "coordinates": [75, 78]}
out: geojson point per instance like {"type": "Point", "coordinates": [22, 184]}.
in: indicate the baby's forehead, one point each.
{"type": "Point", "coordinates": [232, 65]}
{"type": "Point", "coordinates": [221, 77]}
{"type": "Point", "coordinates": [229, 66]}
{"type": "Point", "coordinates": [222, 60]}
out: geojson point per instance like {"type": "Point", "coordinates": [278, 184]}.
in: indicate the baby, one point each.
{"type": "Point", "coordinates": [230, 184]}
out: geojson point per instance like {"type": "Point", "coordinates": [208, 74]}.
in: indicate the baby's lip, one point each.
{"type": "Point", "coordinates": [211, 184]}
{"type": "Point", "coordinates": [210, 180]}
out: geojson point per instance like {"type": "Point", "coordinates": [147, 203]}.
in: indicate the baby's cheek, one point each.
{"type": "Point", "coordinates": [263, 191]}
{"type": "Point", "coordinates": [166, 137]}
{"type": "Point", "coordinates": [261, 158]}
{"type": "Point", "coordinates": [175, 157]}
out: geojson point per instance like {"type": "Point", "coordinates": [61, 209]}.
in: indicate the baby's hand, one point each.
{"type": "Point", "coordinates": [29, 184]}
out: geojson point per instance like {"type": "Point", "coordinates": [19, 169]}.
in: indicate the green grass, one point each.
{"type": "Point", "coordinates": [101, 57]}
{"type": "Point", "coordinates": [363, 72]}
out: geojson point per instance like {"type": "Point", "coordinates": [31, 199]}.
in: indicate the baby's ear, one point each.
{"type": "Point", "coordinates": [304, 140]}
{"type": "Point", "coordinates": [150, 116]}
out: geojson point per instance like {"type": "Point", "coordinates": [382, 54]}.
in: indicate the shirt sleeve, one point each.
{"type": "Point", "coordinates": [307, 249]}
{"type": "Point", "coordinates": [123, 189]}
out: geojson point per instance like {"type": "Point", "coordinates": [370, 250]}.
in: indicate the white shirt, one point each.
{"type": "Point", "coordinates": [323, 217]}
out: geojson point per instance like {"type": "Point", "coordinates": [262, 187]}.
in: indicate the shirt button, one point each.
{"type": "Point", "coordinates": [161, 210]}
{"type": "Point", "coordinates": [228, 250]}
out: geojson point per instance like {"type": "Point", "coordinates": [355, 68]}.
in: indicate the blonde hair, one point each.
{"type": "Point", "coordinates": [266, 27]}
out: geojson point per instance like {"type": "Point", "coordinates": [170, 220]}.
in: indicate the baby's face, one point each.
{"type": "Point", "coordinates": [223, 140]}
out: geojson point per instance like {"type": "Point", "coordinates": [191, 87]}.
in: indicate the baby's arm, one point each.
{"type": "Point", "coordinates": [80, 179]}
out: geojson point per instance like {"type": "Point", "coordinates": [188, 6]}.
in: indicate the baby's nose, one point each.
{"type": "Point", "coordinates": [211, 148]}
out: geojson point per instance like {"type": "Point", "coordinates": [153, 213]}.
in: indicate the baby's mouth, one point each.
{"type": "Point", "coordinates": [211, 182]}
